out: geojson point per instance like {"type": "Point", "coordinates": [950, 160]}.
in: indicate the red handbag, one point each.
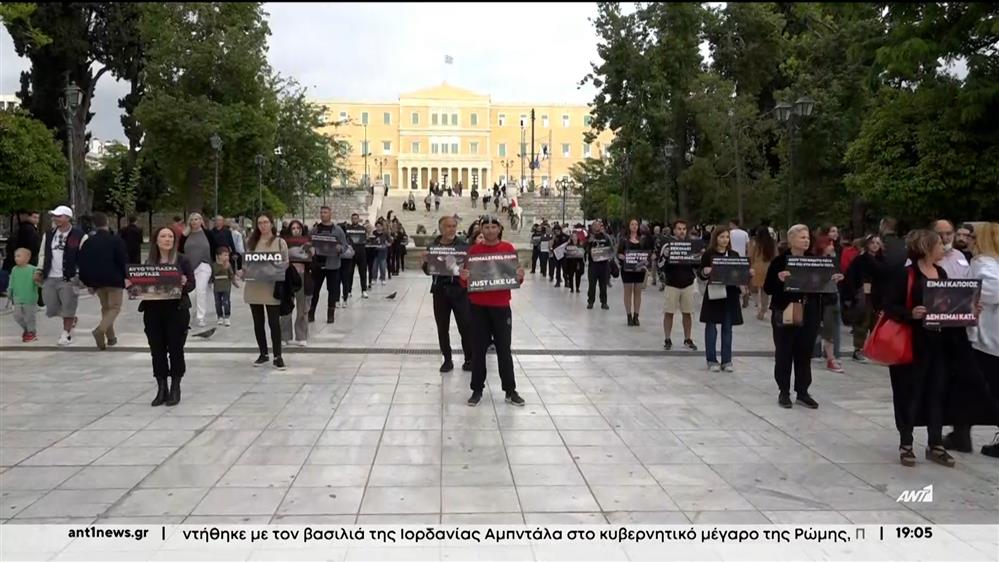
{"type": "Point", "coordinates": [890, 342]}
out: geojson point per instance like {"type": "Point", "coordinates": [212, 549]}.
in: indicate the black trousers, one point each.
{"type": "Point", "coordinates": [166, 332]}
{"type": "Point", "coordinates": [370, 254]}
{"type": "Point", "coordinates": [555, 269]}
{"type": "Point", "coordinates": [273, 312]}
{"type": "Point", "coordinates": [491, 325]}
{"type": "Point", "coordinates": [598, 274]}
{"type": "Point", "coordinates": [358, 263]}
{"type": "Point", "coordinates": [793, 348]}
{"type": "Point", "coordinates": [332, 278]}
{"type": "Point", "coordinates": [573, 269]}
{"type": "Point", "coordinates": [543, 258]}
{"type": "Point", "coordinates": [450, 299]}
{"type": "Point", "coordinates": [535, 256]}
{"type": "Point", "coordinates": [984, 382]}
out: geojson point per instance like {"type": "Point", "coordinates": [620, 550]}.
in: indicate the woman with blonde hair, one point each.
{"type": "Point", "coordinates": [199, 249]}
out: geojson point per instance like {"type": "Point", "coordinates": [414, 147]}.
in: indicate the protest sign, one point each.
{"type": "Point", "coordinates": [446, 260]}
{"type": "Point", "coordinates": [299, 249]}
{"type": "Point", "coordinates": [154, 282]}
{"type": "Point", "coordinates": [267, 267]}
{"type": "Point", "coordinates": [685, 252]}
{"type": "Point", "coordinates": [325, 244]}
{"type": "Point", "coordinates": [600, 253]}
{"type": "Point", "coordinates": [575, 252]}
{"type": "Point", "coordinates": [492, 272]}
{"type": "Point", "coordinates": [951, 302]}
{"type": "Point", "coordinates": [635, 260]}
{"type": "Point", "coordinates": [356, 233]}
{"type": "Point", "coordinates": [811, 274]}
{"type": "Point", "coordinates": [730, 271]}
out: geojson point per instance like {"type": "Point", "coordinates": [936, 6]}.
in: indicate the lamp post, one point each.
{"type": "Point", "coordinates": [669, 149]}
{"type": "Point", "coordinates": [70, 103]}
{"type": "Point", "coordinates": [381, 162]}
{"type": "Point", "coordinates": [259, 159]}
{"type": "Point", "coordinates": [506, 164]}
{"type": "Point", "coordinates": [791, 116]}
{"type": "Point", "coordinates": [565, 185]}
{"type": "Point", "coordinates": [216, 142]}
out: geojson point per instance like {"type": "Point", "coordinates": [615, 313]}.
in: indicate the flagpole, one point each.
{"type": "Point", "coordinates": [551, 155]}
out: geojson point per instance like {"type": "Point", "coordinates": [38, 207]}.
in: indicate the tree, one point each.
{"type": "Point", "coordinates": [32, 166]}
{"type": "Point", "coordinates": [87, 40]}
{"type": "Point", "coordinates": [206, 73]}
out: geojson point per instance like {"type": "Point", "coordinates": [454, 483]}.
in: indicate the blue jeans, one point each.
{"type": "Point", "coordinates": [711, 338]}
{"type": "Point", "coordinates": [223, 308]}
{"type": "Point", "coordinates": [381, 264]}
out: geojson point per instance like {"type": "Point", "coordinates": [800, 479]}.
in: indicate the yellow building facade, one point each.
{"type": "Point", "coordinates": [447, 134]}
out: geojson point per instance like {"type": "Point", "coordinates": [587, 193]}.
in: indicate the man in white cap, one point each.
{"type": "Point", "coordinates": [57, 266]}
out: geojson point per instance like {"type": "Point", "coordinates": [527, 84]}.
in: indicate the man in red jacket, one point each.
{"type": "Point", "coordinates": [491, 320]}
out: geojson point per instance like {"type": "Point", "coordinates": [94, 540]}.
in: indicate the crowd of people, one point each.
{"type": "Point", "coordinates": [952, 376]}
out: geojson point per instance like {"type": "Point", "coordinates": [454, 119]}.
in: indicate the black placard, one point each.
{"type": "Point", "coordinates": [492, 272]}
{"type": "Point", "coordinates": [268, 267]}
{"type": "Point", "coordinates": [951, 302]}
{"type": "Point", "coordinates": [730, 271]}
{"type": "Point", "coordinates": [635, 260]}
{"type": "Point", "coordinates": [601, 253]}
{"type": "Point", "coordinates": [685, 252]}
{"type": "Point", "coordinates": [356, 233]}
{"type": "Point", "coordinates": [575, 252]}
{"type": "Point", "coordinates": [299, 249]}
{"type": "Point", "coordinates": [154, 282]}
{"type": "Point", "coordinates": [446, 260]}
{"type": "Point", "coordinates": [811, 274]}
{"type": "Point", "coordinates": [325, 244]}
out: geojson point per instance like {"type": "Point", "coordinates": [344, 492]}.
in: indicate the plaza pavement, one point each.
{"type": "Point", "coordinates": [354, 431]}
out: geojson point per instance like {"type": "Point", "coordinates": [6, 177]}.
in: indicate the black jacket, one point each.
{"type": "Point", "coordinates": [132, 235]}
{"type": "Point", "coordinates": [70, 256]}
{"type": "Point", "coordinates": [26, 237]}
{"type": "Point", "coordinates": [714, 311]}
{"type": "Point", "coordinates": [285, 290]}
{"type": "Point", "coordinates": [103, 261]}
{"type": "Point", "coordinates": [222, 238]}
{"type": "Point", "coordinates": [865, 268]}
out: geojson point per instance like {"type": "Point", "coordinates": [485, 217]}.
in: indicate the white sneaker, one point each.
{"type": "Point", "coordinates": [201, 322]}
{"type": "Point", "coordinates": [228, 322]}
{"type": "Point", "coordinates": [344, 305]}
{"type": "Point", "coordinates": [383, 281]}
{"type": "Point", "coordinates": [302, 343]}
{"type": "Point", "coordinates": [65, 339]}
{"type": "Point", "coordinates": [364, 294]}
{"type": "Point", "coordinates": [221, 322]}
{"type": "Point", "coordinates": [714, 367]}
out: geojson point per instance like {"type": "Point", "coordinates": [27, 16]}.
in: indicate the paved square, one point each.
{"type": "Point", "coordinates": [356, 431]}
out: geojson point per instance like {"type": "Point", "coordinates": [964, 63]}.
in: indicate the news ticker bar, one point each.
{"type": "Point", "coordinates": [578, 542]}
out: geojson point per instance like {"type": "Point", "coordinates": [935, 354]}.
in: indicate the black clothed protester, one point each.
{"type": "Point", "coordinates": [599, 271]}
{"type": "Point", "coordinates": [26, 236]}
{"type": "Point", "coordinates": [544, 251]}
{"type": "Point", "coordinates": [535, 247]}
{"type": "Point", "coordinates": [556, 267]}
{"type": "Point", "coordinates": [792, 344]}
{"type": "Point", "coordinates": [132, 235]}
{"type": "Point", "coordinates": [166, 325]}
{"type": "Point", "coordinates": [319, 275]}
{"type": "Point", "coordinates": [450, 298]}
{"type": "Point", "coordinates": [359, 263]}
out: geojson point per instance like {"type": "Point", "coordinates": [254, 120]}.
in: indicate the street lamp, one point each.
{"type": "Point", "coordinates": [259, 159]}
{"type": "Point", "coordinates": [506, 164]}
{"type": "Point", "coordinates": [217, 147]}
{"type": "Point", "coordinates": [669, 149]}
{"type": "Point", "coordinates": [70, 103]}
{"type": "Point", "coordinates": [564, 185]}
{"type": "Point", "coordinates": [381, 162]}
{"type": "Point", "coordinates": [791, 116]}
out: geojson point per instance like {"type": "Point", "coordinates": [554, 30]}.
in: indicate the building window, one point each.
{"type": "Point", "coordinates": [473, 147]}
{"type": "Point", "coordinates": [544, 121]}
{"type": "Point", "coordinates": [523, 119]}
{"type": "Point", "coordinates": [364, 117]}
{"type": "Point", "coordinates": [387, 178]}
{"type": "Point", "coordinates": [502, 149]}
{"type": "Point", "coordinates": [415, 149]}
{"type": "Point", "coordinates": [387, 118]}
{"type": "Point", "coordinates": [454, 148]}
{"type": "Point", "coordinates": [565, 150]}
{"type": "Point", "coordinates": [502, 119]}
{"type": "Point", "coordinates": [454, 119]}
{"type": "Point", "coordinates": [434, 148]}
{"type": "Point", "coordinates": [444, 147]}
{"type": "Point", "coordinates": [416, 118]}
{"type": "Point", "coordinates": [343, 115]}
{"type": "Point", "coordinates": [386, 147]}
{"type": "Point", "coordinates": [433, 118]}
{"type": "Point", "coordinates": [475, 119]}
{"type": "Point", "coordinates": [587, 120]}
{"type": "Point", "coordinates": [565, 121]}
{"type": "Point", "coordinates": [586, 150]}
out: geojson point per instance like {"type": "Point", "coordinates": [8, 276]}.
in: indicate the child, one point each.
{"type": "Point", "coordinates": [24, 294]}
{"type": "Point", "coordinates": [224, 278]}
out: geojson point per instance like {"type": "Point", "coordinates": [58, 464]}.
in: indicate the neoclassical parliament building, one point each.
{"type": "Point", "coordinates": [448, 134]}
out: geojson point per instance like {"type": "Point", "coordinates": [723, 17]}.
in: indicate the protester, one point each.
{"type": "Point", "coordinates": [680, 291]}
{"type": "Point", "coordinates": [573, 266]}
{"type": "Point", "coordinates": [166, 321]}
{"type": "Point", "coordinates": [829, 333]}
{"type": "Point", "coordinates": [544, 249]}
{"type": "Point", "coordinates": [355, 234]}
{"type": "Point", "coordinates": [762, 251]}
{"type": "Point", "coordinates": [199, 248]}
{"type": "Point", "coordinates": [103, 270]}
{"type": "Point", "coordinates": [984, 337]}
{"type": "Point", "coordinates": [953, 261]}
{"type": "Point", "coordinates": [633, 281]}
{"type": "Point", "coordinates": [295, 327]}
{"type": "Point", "coordinates": [740, 244]}
{"type": "Point", "coordinates": [223, 278]}
{"type": "Point", "coordinates": [327, 268]}
{"type": "Point", "coordinates": [491, 320]}
{"type": "Point", "coordinates": [720, 305]}
{"type": "Point", "coordinates": [535, 246]}
{"type": "Point", "coordinates": [965, 240]}
{"type": "Point", "coordinates": [795, 319]}
{"type": "Point", "coordinates": [260, 294]}
{"type": "Point", "coordinates": [23, 293]}
{"type": "Point", "coordinates": [861, 294]}
{"type": "Point", "coordinates": [893, 249]}
{"type": "Point", "coordinates": [132, 235]}
{"type": "Point", "coordinates": [26, 236]}
{"type": "Point", "coordinates": [599, 271]}
{"type": "Point", "coordinates": [449, 296]}
{"type": "Point", "coordinates": [557, 269]}
{"type": "Point", "coordinates": [178, 227]}
{"type": "Point", "coordinates": [57, 266]}
{"type": "Point", "coordinates": [382, 242]}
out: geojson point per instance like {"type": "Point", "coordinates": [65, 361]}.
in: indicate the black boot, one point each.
{"type": "Point", "coordinates": [635, 316]}
{"type": "Point", "coordinates": [330, 315]}
{"type": "Point", "coordinates": [631, 322]}
{"type": "Point", "coordinates": [161, 392]}
{"type": "Point", "coordinates": [312, 316]}
{"type": "Point", "coordinates": [174, 398]}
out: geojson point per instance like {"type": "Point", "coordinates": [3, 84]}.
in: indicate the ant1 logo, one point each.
{"type": "Point", "coordinates": [917, 496]}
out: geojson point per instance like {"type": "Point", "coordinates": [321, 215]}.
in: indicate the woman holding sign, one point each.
{"type": "Point", "coordinates": [166, 321]}
{"type": "Point", "coordinates": [265, 248]}
{"type": "Point", "coordinates": [295, 326]}
{"type": "Point", "coordinates": [633, 252]}
{"type": "Point", "coordinates": [722, 302]}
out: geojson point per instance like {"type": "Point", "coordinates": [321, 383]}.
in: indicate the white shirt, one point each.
{"type": "Point", "coordinates": [58, 249]}
{"type": "Point", "coordinates": [739, 241]}
{"type": "Point", "coordinates": [955, 264]}
{"type": "Point", "coordinates": [985, 336]}
{"type": "Point", "coordinates": [237, 240]}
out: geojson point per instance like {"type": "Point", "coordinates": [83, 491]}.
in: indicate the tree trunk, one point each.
{"type": "Point", "coordinates": [857, 216]}
{"type": "Point", "coordinates": [195, 191]}
{"type": "Point", "coordinates": [83, 205]}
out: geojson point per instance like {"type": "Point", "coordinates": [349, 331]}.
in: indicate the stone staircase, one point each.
{"type": "Point", "coordinates": [537, 208]}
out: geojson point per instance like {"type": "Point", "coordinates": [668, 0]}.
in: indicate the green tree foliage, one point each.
{"type": "Point", "coordinates": [33, 169]}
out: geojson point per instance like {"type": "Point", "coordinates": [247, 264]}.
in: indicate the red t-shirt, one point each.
{"type": "Point", "coordinates": [496, 299]}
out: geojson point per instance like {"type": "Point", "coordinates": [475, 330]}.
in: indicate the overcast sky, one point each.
{"type": "Point", "coordinates": [513, 52]}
